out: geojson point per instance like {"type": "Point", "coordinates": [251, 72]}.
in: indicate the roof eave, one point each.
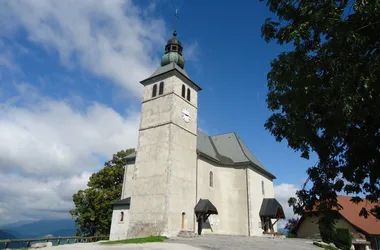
{"type": "Point", "coordinates": [262, 170]}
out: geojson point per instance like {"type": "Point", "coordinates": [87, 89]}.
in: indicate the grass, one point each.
{"type": "Point", "coordinates": [136, 240]}
{"type": "Point", "coordinates": [325, 246]}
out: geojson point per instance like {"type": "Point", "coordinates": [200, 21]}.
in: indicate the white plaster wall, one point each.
{"type": "Point", "coordinates": [119, 228]}
{"type": "Point", "coordinates": [256, 197]}
{"type": "Point", "coordinates": [229, 196]}
{"type": "Point", "coordinates": [309, 227]}
{"type": "Point", "coordinates": [127, 182]}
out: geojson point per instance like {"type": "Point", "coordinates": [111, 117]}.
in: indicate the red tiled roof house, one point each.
{"type": "Point", "coordinates": [349, 218]}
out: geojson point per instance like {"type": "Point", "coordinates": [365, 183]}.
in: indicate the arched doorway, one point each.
{"type": "Point", "coordinates": [183, 220]}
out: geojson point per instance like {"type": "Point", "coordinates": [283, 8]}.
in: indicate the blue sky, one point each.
{"type": "Point", "coordinates": [70, 95]}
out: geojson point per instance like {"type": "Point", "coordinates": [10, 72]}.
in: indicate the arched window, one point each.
{"type": "Point", "coordinates": [183, 91]}
{"type": "Point", "coordinates": [161, 91]}
{"type": "Point", "coordinates": [262, 188]}
{"type": "Point", "coordinates": [188, 95]}
{"type": "Point", "coordinates": [211, 179]}
{"type": "Point", "coordinates": [122, 216]}
{"type": "Point", "coordinates": [154, 92]}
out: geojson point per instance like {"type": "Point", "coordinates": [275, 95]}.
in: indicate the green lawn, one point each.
{"type": "Point", "coordinates": [325, 246]}
{"type": "Point", "coordinates": [137, 240]}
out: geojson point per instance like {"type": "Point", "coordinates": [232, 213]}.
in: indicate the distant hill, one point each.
{"type": "Point", "coordinates": [6, 235]}
{"type": "Point", "coordinates": [38, 229]}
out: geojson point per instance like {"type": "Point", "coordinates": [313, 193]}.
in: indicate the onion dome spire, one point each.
{"type": "Point", "coordinates": [173, 51]}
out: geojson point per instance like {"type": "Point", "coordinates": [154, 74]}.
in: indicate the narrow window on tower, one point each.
{"type": "Point", "coordinates": [211, 179]}
{"type": "Point", "coordinates": [188, 95]}
{"type": "Point", "coordinates": [154, 92]}
{"type": "Point", "coordinates": [183, 91]}
{"type": "Point", "coordinates": [161, 91]}
{"type": "Point", "coordinates": [262, 188]}
{"type": "Point", "coordinates": [122, 216]}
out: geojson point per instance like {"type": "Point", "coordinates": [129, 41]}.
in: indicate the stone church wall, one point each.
{"type": "Point", "coordinates": [229, 196]}
{"type": "Point", "coordinates": [119, 228]}
{"type": "Point", "coordinates": [256, 197]}
{"type": "Point", "coordinates": [127, 182]}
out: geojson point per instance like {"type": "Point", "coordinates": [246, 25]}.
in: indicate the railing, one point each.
{"type": "Point", "coordinates": [59, 240]}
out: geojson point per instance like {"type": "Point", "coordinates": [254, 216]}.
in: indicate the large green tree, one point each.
{"type": "Point", "coordinates": [93, 206]}
{"type": "Point", "coordinates": [325, 95]}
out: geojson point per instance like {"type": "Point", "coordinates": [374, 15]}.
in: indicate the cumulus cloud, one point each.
{"type": "Point", "coordinates": [46, 137]}
{"type": "Point", "coordinates": [107, 38]}
{"type": "Point", "coordinates": [282, 193]}
{"type": "Point", "coordinates": [49, 149]}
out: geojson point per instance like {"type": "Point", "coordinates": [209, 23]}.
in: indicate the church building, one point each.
{"type": "Point", "coordinates": [181, 180]}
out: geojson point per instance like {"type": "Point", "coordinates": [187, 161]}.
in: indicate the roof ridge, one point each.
{"type": "Point", "coordinates": [222, 134]}
{"type": "Point", "coordinates": [241, 148]}
{"type": "Point", "coordinates": [218, 155]}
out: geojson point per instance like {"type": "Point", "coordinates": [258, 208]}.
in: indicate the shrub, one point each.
{"type": "Point", "coordinates": [327, 233]}
{"type": "Point", "coordinates": [343, 239]}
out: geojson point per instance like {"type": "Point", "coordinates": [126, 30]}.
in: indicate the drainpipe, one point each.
{"type": "Point", "coordinates": [248, 204]}
{"type": "Point", "coordinates": [196, 188]}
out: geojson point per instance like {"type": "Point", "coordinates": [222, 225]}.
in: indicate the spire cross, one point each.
{"type": "Point", "coordinates": [176, 21]}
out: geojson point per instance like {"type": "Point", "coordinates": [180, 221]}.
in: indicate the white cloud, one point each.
{"type": "Point", "coordinates": [49, 137]}
{"type": "Point", "coordinates": [108, 38]}
{"type": "Point", "coordinates": [49, 148]}
{"type": "Point", "coordinates": [191, 52]}
{"type": "Point", "coordinates": [6, 59]}
{"type": "Point", "coordinates": [283, 192]}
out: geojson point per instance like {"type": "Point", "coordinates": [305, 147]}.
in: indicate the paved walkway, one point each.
{"type": "Point", "coordinates": [144, 246]}
{"type": "Point", "coordinates": [211, 242]}
{"type": "Point", "coordinates": [204, 242]}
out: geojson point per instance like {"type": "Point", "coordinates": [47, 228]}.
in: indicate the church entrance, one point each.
{"type": "Point", "coordinates": [270, 209]}
{"type": "Point", "coordinates": [183, 221]}
{"type": "Point", "coordinates": [203, 210]}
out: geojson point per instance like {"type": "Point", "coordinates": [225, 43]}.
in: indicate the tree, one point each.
{"type": "Point", "coordinates": [291, 224]}
{"type": "Point", "coordinates": [325, 95]}
{"type": "Point", "coordinates": [93, 206]}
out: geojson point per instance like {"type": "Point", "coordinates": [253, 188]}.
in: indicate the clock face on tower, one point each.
{"type": "Point", "coordinates": [186, 115]}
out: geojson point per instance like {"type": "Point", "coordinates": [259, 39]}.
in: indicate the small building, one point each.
{"type": "Point", "coordinates": [181, 179]}
{"type": "Point", "coordinates": [365, 231]}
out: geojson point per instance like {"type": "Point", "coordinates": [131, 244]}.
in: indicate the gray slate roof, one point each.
{"type": "Point", "coordinates": [163, 69]}
{"type": "Point", "coordinates": [205, 206]}
{"type": "Point", "coordinates": [225, 149]}
{"type": "Point", "coordinates": [271, 208]}
{"type": "Point", "coordinates": [170, 68]}
{"type": "Point", "coordinates": [228, 149]}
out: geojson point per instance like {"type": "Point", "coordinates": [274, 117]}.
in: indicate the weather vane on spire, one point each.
{"type": "Point", "coordinates": [176, 20]}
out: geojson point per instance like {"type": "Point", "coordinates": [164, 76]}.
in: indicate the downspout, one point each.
{"type": "Point", "coordinates": [248, 203]}
{"type": "Point", "coordinates": [196, 187]}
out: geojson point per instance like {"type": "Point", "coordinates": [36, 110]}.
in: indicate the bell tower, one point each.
{"type": "Point", "coordinates": [164, 178]}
